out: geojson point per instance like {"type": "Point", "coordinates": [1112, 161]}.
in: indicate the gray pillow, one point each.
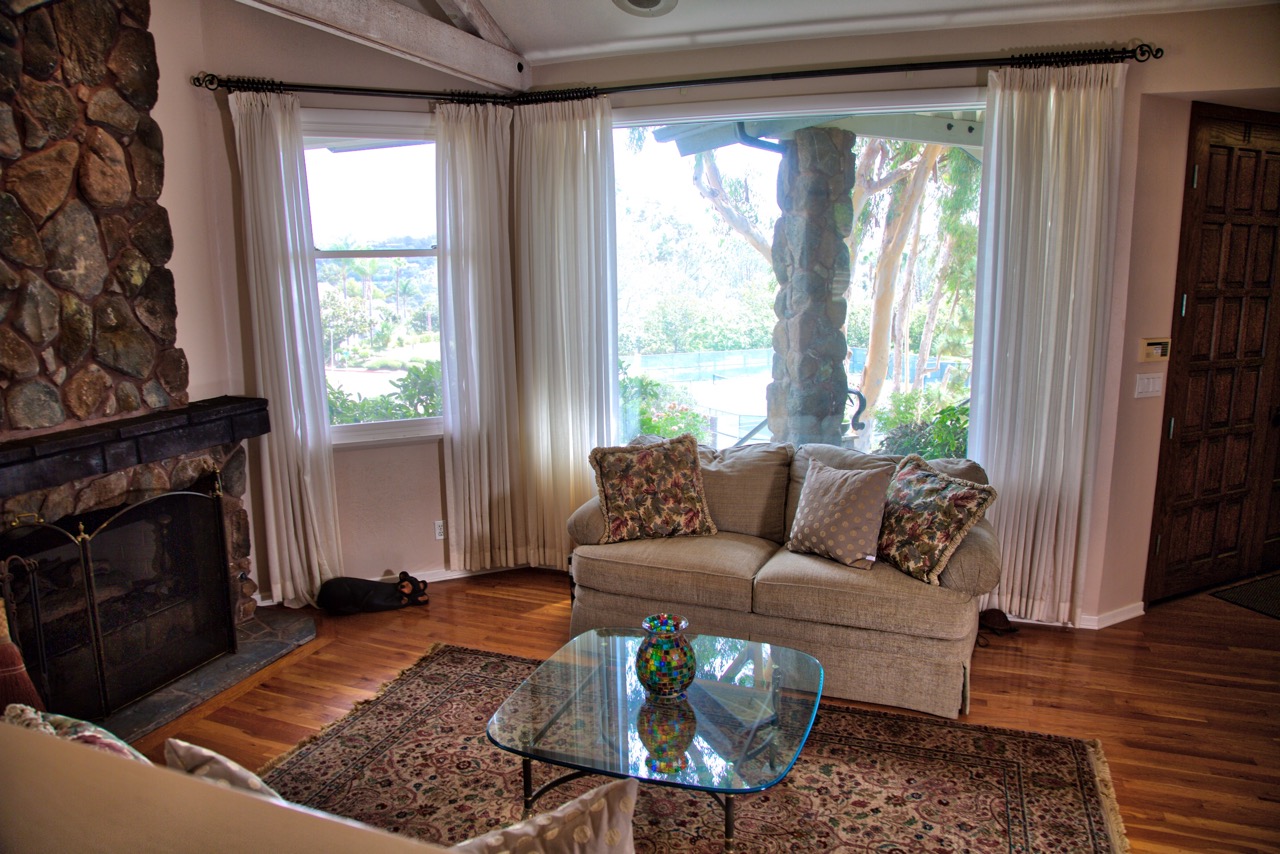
{"type": "Point", "coordinates": [839, 513]}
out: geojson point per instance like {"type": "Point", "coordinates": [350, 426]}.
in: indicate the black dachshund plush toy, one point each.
{"type": "Point", "coordinates": [343, 596]}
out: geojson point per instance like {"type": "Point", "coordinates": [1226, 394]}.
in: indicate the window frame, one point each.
{"type": "Point", "coordinates": [375, 125]}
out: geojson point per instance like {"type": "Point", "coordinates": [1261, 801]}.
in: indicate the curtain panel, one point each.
{"type": "Point", "coordinates": [1049, 188]}
{"type": "Point", "coordinates": [477, 334]}
{"type": "Point", "coordinates": [303, 548]}
{"type": "Point", "coordinates": [527, 322]}
{"type": "Point", "coordinates": [565, 297]}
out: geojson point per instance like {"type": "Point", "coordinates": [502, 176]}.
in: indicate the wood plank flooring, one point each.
{"type": "Point", "coordinates": [1185, 699]}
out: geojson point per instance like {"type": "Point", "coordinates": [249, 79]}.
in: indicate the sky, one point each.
{"type": "Point", "coordinates": [371, 195]}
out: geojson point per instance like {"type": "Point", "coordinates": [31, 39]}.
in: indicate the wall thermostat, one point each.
{"type": "Point", "coordinates": [1154, 350]}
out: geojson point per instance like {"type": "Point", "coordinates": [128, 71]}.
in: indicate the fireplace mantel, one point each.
{"type": "Point", "coordinates": [51, 459]}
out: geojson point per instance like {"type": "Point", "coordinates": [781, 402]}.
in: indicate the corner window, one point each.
{"type": "Point", "coordinates": [371, 183]}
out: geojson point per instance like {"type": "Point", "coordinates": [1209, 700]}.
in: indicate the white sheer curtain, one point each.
{"type": "Point", "coordinates": [478, 350]}
{"type": "Point", "coordinates": [566, 298]}
{"type": "Point", "coordinates": [1049, 186]}
{"type": "Point", "coordinates": [303, 547]}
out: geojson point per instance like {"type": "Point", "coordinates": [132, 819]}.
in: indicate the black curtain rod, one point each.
{"type": "Point", "coordinates": [1098, 56]}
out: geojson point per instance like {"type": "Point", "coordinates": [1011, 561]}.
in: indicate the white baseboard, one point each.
{"type": "Point", "coordinates": [431, 575]}
{"type": "Point", "coordinates": [1101, 621]}
{"type": "Point", "coordinates": [1092, 621]}
{"type": "Point", "coordinates": [428, 576]}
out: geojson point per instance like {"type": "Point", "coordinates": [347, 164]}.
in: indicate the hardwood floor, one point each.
{"type": "Point", "coordinates": [1185, 699]}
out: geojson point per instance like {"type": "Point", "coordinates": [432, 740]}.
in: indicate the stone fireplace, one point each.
{"type": "Point", "coordinates": [94, 409]}
{"type": "Point", "coordinates": [126, 550]}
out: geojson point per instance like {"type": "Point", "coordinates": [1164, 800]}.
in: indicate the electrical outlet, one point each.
{"type": "Point", "coordinates": [439, 529]}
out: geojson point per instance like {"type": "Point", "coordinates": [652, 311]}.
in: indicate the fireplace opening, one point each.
{"type": "Point", "coordinates": [112, 604]}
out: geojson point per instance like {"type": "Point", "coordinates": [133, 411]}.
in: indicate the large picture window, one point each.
{"type": "Point", "coordinates": [373, 216]}
{"type": "Point", "coordinates": [699, 297]}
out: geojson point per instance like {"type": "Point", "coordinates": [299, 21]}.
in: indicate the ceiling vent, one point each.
{"type": "Point", "coordinates": [646, 8]}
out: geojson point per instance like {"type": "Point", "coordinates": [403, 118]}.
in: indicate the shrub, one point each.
{"type": "Point", "coordinates": [417, 395]}
{"type": "Point", "coordinates": [658, 409]}
{"type": "Point", "coordinates": [945, 433]}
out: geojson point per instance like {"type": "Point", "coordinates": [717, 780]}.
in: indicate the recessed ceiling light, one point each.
{"type": "Point", "coordinates": [646, 8]}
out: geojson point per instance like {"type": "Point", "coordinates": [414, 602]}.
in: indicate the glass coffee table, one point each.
{"type": "Point", "coordinates": [738, 729]}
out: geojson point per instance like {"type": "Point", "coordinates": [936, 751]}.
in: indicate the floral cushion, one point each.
{"type": "Point", "coordinates": [71, 729]}
{"type": "Point", "coordinates": [839, 514]}
{"type": "Point", "coordinates": [652, 490]}
{"type": "Point", "coordinates": [926, 515]}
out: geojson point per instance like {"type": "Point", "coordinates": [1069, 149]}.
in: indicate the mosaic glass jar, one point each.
{"type": "Point", "coordinates": [665, 663]}
{"type": "Point", "coordinates": [666, 729]}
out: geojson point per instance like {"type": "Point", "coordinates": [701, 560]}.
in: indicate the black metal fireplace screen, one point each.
{"type": "Point", "coordinates": [113, 604]}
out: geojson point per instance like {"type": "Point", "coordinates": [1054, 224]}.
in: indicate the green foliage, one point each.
{"type": "Point", "coordinates": [929, 423]}
{"type": "Point", "coordinates": [420, 389]}
{"type": "Point", "coordinates": [658, 409]}
{"type": "Point", "coordinates": [424, 320]}
{"type": "Point", "coordinates": [858, 324]}
{"type": "Point", "coordinates": [342, 318]}
{"type": "Point", "coordinates": [417, 395]}
{"type": "Point", "coordinates": [684, 323]}
{"type": "Point", "coordinates": [345, 409]}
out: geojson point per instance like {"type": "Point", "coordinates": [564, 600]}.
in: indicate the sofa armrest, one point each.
{"type": "Point", "coordinates": [975, 566]}
{"type": "Point", "coordinates": [587, 525]}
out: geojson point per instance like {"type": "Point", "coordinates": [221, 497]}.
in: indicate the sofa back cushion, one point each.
{"type": "Point", "coordinates": [832, 456]}
{"type": "Point", "coordinates": [746, 488]}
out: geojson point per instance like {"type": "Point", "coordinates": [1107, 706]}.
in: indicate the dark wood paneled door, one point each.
{"type": "Point", "coordinates": [1217, 507]}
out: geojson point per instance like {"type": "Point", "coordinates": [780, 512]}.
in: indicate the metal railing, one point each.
{"type": "Point", "coordinates": [854, 398]}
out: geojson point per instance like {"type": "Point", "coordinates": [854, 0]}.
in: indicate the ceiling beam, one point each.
{"type": "Point", "coordinates": [388, 26]}
{"type": "Point", "coordinates": [473, 17]}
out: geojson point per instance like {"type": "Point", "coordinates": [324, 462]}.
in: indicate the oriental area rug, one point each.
{"type": "Point", "coordinates": [415, 760]}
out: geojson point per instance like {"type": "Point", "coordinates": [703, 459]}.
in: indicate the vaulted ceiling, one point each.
{"type": "Point", "coordinates": [493, 43]}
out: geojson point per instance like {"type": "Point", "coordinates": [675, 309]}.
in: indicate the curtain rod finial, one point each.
{"type": "Point", "coordinates": [204, 80]}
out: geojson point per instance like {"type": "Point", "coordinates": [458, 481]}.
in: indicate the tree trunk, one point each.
{"type": "Point", "coordinates": [902, 211]}
{"type": "Point", "coordinates": [902, 313]}
{"type": "Point", "coordinates": [931, 315]}
{"type": "Point", "coordinates": [706, 177]}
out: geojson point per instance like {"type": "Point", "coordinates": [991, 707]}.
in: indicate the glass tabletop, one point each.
{"type": "Point", "coordinates": [739, 727]}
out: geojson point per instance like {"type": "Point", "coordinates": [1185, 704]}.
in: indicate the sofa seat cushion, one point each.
{"type": "Point", "coordinates": [813, 589]}
{"type": "Point", "coordinates": [715, 571]}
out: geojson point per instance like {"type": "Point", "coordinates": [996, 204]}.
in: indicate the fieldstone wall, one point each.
{"type": "Point", "coordinates": [807, 397]}
{"type": "Point", "coordinates": [87, 307]}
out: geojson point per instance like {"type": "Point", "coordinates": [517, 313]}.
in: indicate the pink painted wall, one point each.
{"type": "Point", "coordinates": [1226, 56]}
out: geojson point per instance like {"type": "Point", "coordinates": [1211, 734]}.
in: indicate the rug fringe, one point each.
{"type": "Point", "coordinates": [271, 765]}
{"type": "Point", "coordinates": [1102, 772]}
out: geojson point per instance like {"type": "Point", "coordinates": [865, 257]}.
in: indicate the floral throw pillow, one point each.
{"type": "Point", "coordinates": [926, 515]}
{"type": "Point", "coordinates": [71, 729]}
{"type": "Point", "coordinates": [652, 490]}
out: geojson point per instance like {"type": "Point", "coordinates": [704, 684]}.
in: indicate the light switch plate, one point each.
{"type": "Point", "coordinates": [1149, 385]}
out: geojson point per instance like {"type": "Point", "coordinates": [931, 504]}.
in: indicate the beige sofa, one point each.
{"type": "Point", "coordinates": [881, 635]}
{"type": "Point", "coordinates": [58, 797]}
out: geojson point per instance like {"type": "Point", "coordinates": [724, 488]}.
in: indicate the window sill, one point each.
{"type": "Point", "coordinates": [416, 431]}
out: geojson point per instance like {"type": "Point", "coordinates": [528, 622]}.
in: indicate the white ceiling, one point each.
{"type": "Point", "coordinates": [545, 31]}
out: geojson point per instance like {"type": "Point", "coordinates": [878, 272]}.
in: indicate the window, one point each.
{"type": "Point", "coordinates": [371, 182]}
{"type": "Point", "coordinates": [697, 211]}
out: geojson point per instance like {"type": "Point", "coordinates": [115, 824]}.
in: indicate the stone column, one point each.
{"type": "Point", "coordinates": [807, 396]}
